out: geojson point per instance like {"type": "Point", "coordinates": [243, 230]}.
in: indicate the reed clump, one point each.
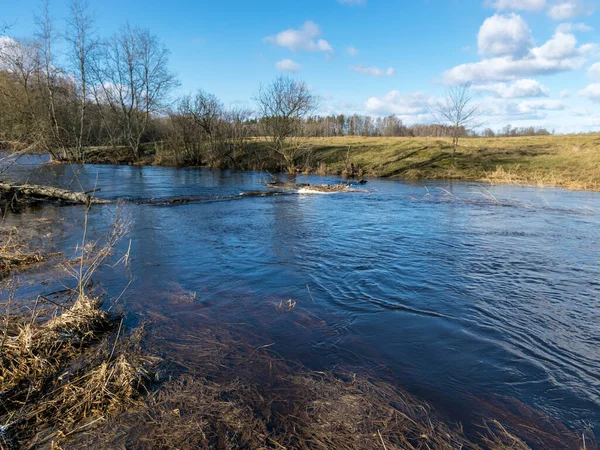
{"type": "Point", "coordinates": [62, 374]}
{"type": "Point", "coordinates": [31, 352]}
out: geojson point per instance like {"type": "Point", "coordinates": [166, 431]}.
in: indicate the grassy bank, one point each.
{"type": "Point", "coordinates": [567, 161]}
{"type": "Point", "coordinates": [571, 161]}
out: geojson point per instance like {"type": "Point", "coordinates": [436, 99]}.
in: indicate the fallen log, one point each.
{"type": "Point", "coordinates": [38, 192]}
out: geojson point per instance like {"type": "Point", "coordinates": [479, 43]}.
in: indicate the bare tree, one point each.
{"type": "Point", "coordinates": [20, 66]}
{"type": "Point", "coordinates": [207, 112]}
{"type": "Point", "coordinates": [82, 42]}
{"type": "Point", "coordinates": [237, 132]}
{"type": "Point", "coordinates": [134, 81]}
{"type": "Point", "coordinates": [458, 112]}
{"type": "Point", "coordinates": [49, 73]}
{"type": "Point", "coordinates": [283, 104]}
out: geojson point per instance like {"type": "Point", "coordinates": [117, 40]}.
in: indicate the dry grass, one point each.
{"type": "Point", "coordinates": [57, 375]}
{"type": "Point", "coordinates": [221, 392]}
{"type": "Point", "coordinates": [571, 161]}
{"type": "Point", "coordinates": [14, 253]}
{"type": "Point", "coordinates": [237, 396]}
{"type": "Point", "coordinates": [229, 394]}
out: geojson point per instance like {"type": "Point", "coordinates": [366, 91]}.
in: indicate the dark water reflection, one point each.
{"type": "Point", "coordinates": [456, 290]}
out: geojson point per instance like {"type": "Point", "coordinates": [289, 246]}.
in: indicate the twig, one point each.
{"type": "Point", "coordinates": [309, 293]}
{"type": "Point", "coordinates": [382, 442]}
{"type": "Point", "coordinates": [116, 340]}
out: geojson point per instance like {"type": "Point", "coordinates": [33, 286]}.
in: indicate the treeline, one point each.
{"type": "Point", "coordinates": [510, 131]}
{"type": "Point", "coordinates": [100, 91]}
{"type": "Point", "coordinates": [68, 91]}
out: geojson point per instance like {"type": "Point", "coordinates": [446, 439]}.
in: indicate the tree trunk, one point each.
{"type": "Point", "coordinates": [48, 193]}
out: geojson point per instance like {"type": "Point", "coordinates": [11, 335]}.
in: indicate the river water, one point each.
{"type": "Point", "coordinates": [460, 292]}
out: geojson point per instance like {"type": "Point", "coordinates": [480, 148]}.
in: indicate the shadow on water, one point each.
{"type": "Point", "coordinates": [483, 302]}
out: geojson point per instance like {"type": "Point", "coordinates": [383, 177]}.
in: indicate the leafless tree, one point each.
{"type": "Point", "coordinates": [49, 73]}
{"type": "Point", "coordinates": [458, 112]}
{"type": "Point", "coordinates": [282, 105]}
{"type": "Point", "coordinates": [134, 80]}
{"type": "Point", "coordinates": [82, 43]}
{"type": "Point", "coordinates": [19, 91]}
{"type": "Point", "coordinates": [238, 131]}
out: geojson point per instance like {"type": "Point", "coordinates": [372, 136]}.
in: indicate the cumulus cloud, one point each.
{"type": "Point", "coordinates": [504, 35]}
{"type": "Point", "coordinates": [591, 92]}
{"type": "Point", "coordinates": [352, 51]}
{"type": "Point", "coordinates": [287, 65]}
{"type": "Point", "coordinates": [373, 71]}
{"type": "Point", "coordinates": [559, 54]}
{"type": "Point", "coordinates": [560, 46]}
{"type": "Point", "coordinates": [594, 71]}
{"type": "Point", "coordinates": [400, 104]}
{"type": "Point", "coordinates": [518, 5]}
{"type": "Point", "coordinates": [566, 10]}
{"type": "Point", "coordinates": [519, 89]}
{"type": "Point", "coordinates": [305, 38]}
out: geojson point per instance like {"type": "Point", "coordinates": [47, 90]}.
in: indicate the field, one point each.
{"type": "Point", "coordinates": [571, 161]}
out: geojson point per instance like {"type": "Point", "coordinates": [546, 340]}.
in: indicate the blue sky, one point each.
{"type": "Point", "coordinates": [531, 62]}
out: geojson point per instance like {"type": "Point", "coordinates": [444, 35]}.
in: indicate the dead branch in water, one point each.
{"type": "Point", "coordinates": [34, 191]}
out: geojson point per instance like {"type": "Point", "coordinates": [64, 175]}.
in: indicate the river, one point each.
{"type": "Point", "coordinates": [465, 294]}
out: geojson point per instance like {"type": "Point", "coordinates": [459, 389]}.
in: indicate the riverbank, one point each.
{"type": "Point", "coordinates": [570, 161]}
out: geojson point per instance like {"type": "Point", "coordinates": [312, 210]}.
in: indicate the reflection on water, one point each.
{"type": "Point", "coordinates": [457, 291]}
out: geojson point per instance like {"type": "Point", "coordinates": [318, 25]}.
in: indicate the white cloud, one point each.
{"type": "Point", "coordinates": [591, 92]}
{"type": "Point", "coordinates": [504, 69]}
{"type": "Point", "coordinates": [518, 5]}
{"type": "Point", "coordinates": [373, 71]}
{"type": "Point", "coordinates": [504, 35]}
{"type": "Point", "coordinates": [594, 71]}
{"type": "Point", "coordinates": [565, 10]}
{"type": "Point", "coordinates": [501, 111]}
{"type": "Point", "coordinates": [15, 55]}
{"type": "Point", "coordinates": [541, 105]}
{"type": "Point", "coordinates": [304, 38]}
{"type": "Point", "coordinates": [559, 54]}
{"type": "Point", "coordinates": [287, 65]}
{"type": "Point", "coordinates": [565, 93]}
{"type": "Point", "coordinates": [569, 27]}
{"type": "Point", "coordinates": [519, 89]}
{"type": "Point", "coordinates": [559, 47]}
{"type": "Point", "coordinates": [352, 51]}
{"type": "Point", "coordinates": [397, 103]}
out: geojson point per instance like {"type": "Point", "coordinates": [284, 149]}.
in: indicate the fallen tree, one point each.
{"type": "Point", "coordinates": [37, 192]}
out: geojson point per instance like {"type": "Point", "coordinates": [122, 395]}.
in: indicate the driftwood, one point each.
{"type": "Point", "coordinates": [306, 187]}
{"type": "Point", "coordinates": [186, 200]}
{"type": "Point", "coordinates": [38, 192]}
